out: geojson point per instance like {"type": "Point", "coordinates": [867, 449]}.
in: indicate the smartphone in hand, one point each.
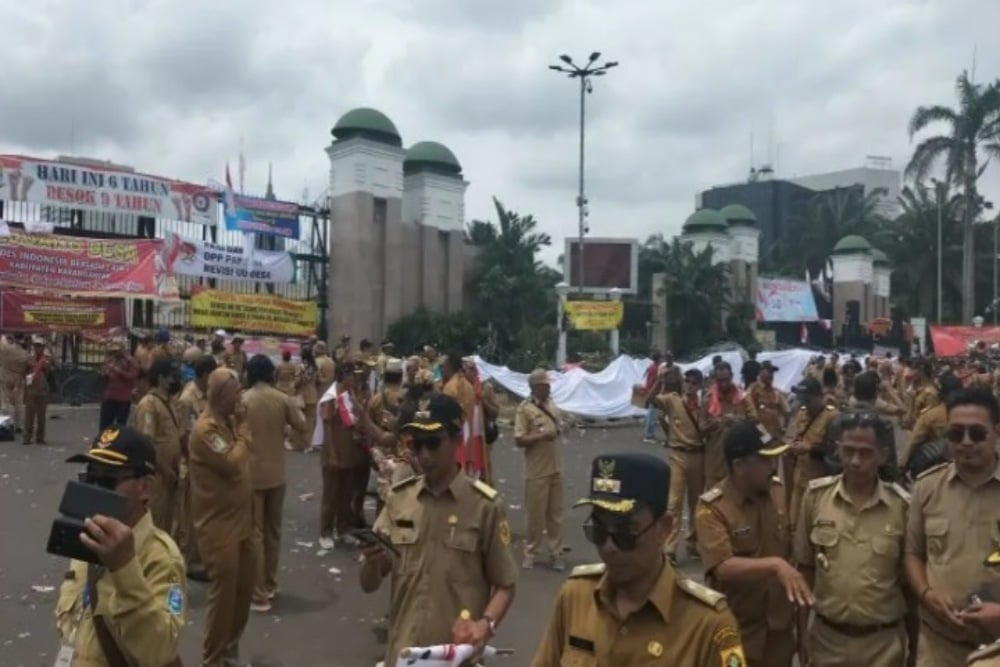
{"type": "Point", "coordinates": [370, 538]}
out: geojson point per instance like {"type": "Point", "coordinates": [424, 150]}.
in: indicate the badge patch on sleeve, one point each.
{"type": "Point", "coordinates": [733, 657]}
{"type": "Point", "coordinates": [217, 444]}
{"type": "Point", "coordinates": [175, 600]}
{"type": "Point", "coordinates": [504, 532]}
{"type": "Point", "coordinates": [147, 422]}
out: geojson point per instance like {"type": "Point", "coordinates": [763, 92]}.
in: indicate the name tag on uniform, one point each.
{"type": "Point", "coordinates": [65, 656]}
{"type": "Point", "coordinates": [741, 531]}
{"type": "Point", "coordinates": [404, 523]}
{"type": "Point", "coordinates": [825, 523]}
{"type": "Point", "coordinates": [581, 643]}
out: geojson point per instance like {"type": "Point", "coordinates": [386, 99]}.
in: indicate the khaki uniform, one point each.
{"type": "Point", "coordinates": [455, 548]}
{"type": "Point", "coordinates": [13, 366]}
{"type": "Point", "coordinates": [930, 427]}
{"type": "Point", "coordinates": [383, 409]}
{"type": "Point", "coordinates": [325, 368]}
{"type": "Point", "coordinates": [36, 398]}
{"type": "Point", "coordinates": [156, 417]}
{"type": "Point", "coordinates": [812, 430]}
{"type": "Point", "coordinates": [286, 377]}
{"type": "Point", "coordinates": [926, 397]}
{"type": "Point", "coordinates": [953, 527]}
{"type": "Point", "coordinates": [683, 624]}
{"type": "Point", "coordinates": [731, 525]}
{"type": "Point", "coordinates": [340, 456]}
{"type": "Point", "coordinates": [714, 429]}
{"type": "Point", "coordinates": [144, 358]}
{"type": "Point", "coordinates": [308, 393]}
{"type": "Point", "coordinates": [237, 360]}
{"type": "Point", "coordinates": [222, 497]}
{"type": "Point", "coordinates": [190, 405]}
{"type": "Point", "coordinates": [855, 553]}
{"type": "Point", "coordinates": [269, 411]}
{"type": "Point", "coordinates": [143, 603]}
{"type": "Point", "coordinates": [988, 656]}
{"type": "Point", "coordinates": [687, 463]}
{"type": "Point", "coordinates": [543, 480]}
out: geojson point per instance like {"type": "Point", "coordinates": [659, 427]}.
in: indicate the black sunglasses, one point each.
{"type": "Point", "coordinates": [430, 443]}
{"type": "Point", "coordinates": [956, 433]}
{"type": "Point", "coordinates": [109, 481]}
{"type": "Point", "coordinates": [623, 538]}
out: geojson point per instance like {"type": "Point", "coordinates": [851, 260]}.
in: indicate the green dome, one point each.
{"type": "Point", "coordinates": [368, 123]}
{"type": "Point", "coordinates": [881, 259]}
{"type": "Point", "coordinates": [431, 156]}
{"type": "Point", "coordinates": [738, 214]}
{"type": "Point", "coordinates": [705, 219]}
{"type": "Point", "coordinates": [852, 244]}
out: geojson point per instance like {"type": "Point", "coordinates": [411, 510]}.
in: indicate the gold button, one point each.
{"type": "Point", "coordinates": [465, 615]}
{"type": "Point", "coordinates": [655, 649]}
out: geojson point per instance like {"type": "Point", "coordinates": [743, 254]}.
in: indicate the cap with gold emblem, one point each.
{"type": "Point", "coordinates": [435, 415]}
{"type": "Point", "coordinates": [623, 483]}
{"type": "Point", "coordinates": [121, 448]}
{"type": "Point", "coordinates": [747, 438]}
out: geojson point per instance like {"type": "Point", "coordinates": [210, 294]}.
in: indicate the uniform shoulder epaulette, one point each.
{"type": "Point", "coordinates": [822, 482]}
{"type": "Point", "coordinates": [592, 570]}
{"type": "Point", "coordinates": [901, 492]}
{"type": "Point", "coordinates": [776, 480]}
{"type": "Point", "coordinates": [405, 482]}
{"type": "Point", "coordinates": [933, 469]}
{"type": "Point", "coordinates": [485, 489]}
{"type": "Point", "coordinates": [712, 598]}
{"type": "Point", "coordinates": [711, 495]}
{"type": "Point", "coordinates": [988, 651]}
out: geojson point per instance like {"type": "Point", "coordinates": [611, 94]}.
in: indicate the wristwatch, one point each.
{"type": "Point", "coordinates": [491, 623]}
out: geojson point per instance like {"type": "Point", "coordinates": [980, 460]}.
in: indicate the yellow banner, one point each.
{"type": "Point", "coordinates": [595, 315]}
{"type": "Point", "coordinates": [262, 313]}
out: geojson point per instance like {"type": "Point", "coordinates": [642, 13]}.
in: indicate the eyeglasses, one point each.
{"type": "Point", "coordinates": [105, 481]}
{"type": "Point", "coordinates": [956, 433]}
{"type": "Point", "coordinates": [431, 444]}
{"type": "Point", "coordinates": [623, 538]}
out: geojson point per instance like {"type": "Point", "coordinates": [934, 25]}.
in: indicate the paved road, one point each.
{"type": "Point", "coordinates": [320, 618]}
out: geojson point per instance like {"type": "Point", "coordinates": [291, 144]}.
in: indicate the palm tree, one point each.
{"type": "Point", "coordinates": [826, 218]}
{"type": "Point", "coordinates": [512, 290]}
{"type": "Point", "coordinates": [972, 137]}
{"type": "Point", "coordinates": [911, 242]}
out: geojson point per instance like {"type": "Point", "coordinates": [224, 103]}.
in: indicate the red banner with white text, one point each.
{"type": "Point", "coordinates": [85, 267]}
{"type": "Point", "coordinates": [30, 313]}
{"type": "Point", "coordinates": [955, 340]}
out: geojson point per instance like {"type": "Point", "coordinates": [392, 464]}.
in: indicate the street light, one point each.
{"type": "Point", "coordinates": [562, 289]}
{"type": "Point", "coordinates": [584, 73]}
{"type": "Point", "coordinates": [938, 187]}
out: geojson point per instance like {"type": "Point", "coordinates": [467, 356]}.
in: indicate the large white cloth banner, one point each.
{"type": "Point", "coordinates": [608, 393]}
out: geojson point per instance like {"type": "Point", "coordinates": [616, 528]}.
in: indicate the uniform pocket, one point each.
{"type": "Point", "coordinates": [937, 531]}
{"type": "Point", "coordinates": [744, 542]}
{"type": "Point", "coordinates": [885, 545]}
{"type": "Point", "coordinates": [463, 555]}
{"type": "Point", "coordinates": [573, 657]}
{"type": "Point", "coordinates": [405, 539]}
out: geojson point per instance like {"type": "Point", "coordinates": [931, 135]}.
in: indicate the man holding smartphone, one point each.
{"type": "Point", "coordinates": [453, 580]}
{"type": "Point", "coordinates": [131, 608]}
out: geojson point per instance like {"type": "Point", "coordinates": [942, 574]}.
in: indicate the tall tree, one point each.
{"type": "Point", "coordinates": [825, 219]}
{"type": "Point", "coordinates": [512, 290]}
{"type": "Point", "coordinates": [911, 242]}
{"type": "Point", "coordinates": [971, 137]}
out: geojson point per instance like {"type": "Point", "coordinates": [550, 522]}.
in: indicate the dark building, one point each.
{"type": "Point", "coordinates": [777, 204]}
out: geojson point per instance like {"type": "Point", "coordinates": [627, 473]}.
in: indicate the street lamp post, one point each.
{"type": "Point", "coordinates": [937, 191]}
{"type": "Point", "coordinates": [584, 73]}
{"type": "Point", "coordinates": [616, 296]}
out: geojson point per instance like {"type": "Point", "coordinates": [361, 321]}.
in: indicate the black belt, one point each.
{"type": "Point", "coordinates": [687, 449]}
{"type": "Point", "coordinates": [852, 630]}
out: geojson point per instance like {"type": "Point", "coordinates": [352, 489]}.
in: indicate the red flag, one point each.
{"type": "Point", "coordinates": [345, 409]}
{"type": "Point", "coordinates": [804, 333]}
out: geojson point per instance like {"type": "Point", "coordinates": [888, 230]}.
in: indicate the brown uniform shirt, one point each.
{"type": "Point", "coordinates": [342, 443]}
{"type": "Point", "coordinates": [221, 492]}
{"type": "Point", "coordinates": [542, 458]}
{"type": "Point", "coordinates": [683, 624]}
{"type": "Point", "coordinates": [190, 406]}
{"type": "Point", "coordinates": [926, 398]}
{"type": "Point", "coordinates": [856, 552]}
{"type": "Point", "coordinates": [814, 429]}
{"type": "Point", "coordinates": [459, 388]}
{"type": "Point", "coordinates": [987, 656]}
{"type": "Point", "coordinates": [714, 429]}
{"type": "Point", "coordinates": [237, 361]}
{"type": "Point", "coordinates": [13, 360]}
{"type": "Point", "coordinates": [455, 550]}
{"type": "Point", "coordinates": [685, 431]}
{"type": "Point", "coordinates": [308, 385]}
{"type": "Point", "coordinates": [771, 406]}
{"type": "Point", "coordinates": [729, 524]}
{"type": "Point", "coordinates": [269, 411]}
{"type": "Point", "coordinates": [286, 377]}
{"type": "Point", "coordinates": [143, 603]}
{"type": "Point", "coordinates": [953, 527]}
{"type": "Point", "coordinates": [325, 367]}
{"type": "Point", "coordinates": [156, 417]}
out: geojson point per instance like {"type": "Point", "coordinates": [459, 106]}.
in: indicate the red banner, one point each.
{"type": "Point", "coordinates": [84, 267]}
{"type": "Point", "coordinates": [954, 341]}
{"type": "Point", "coordinates": [28, 313]}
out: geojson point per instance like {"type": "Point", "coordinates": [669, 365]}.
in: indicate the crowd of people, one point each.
{"type": "Point", "coordinates": [818, 538]}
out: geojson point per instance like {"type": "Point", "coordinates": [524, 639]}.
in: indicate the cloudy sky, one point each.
{"type": "Point", "coordinates": [170, 87]}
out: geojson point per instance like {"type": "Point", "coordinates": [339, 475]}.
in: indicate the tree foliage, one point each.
{"type": "Point", "coordinates": [970, 138]}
